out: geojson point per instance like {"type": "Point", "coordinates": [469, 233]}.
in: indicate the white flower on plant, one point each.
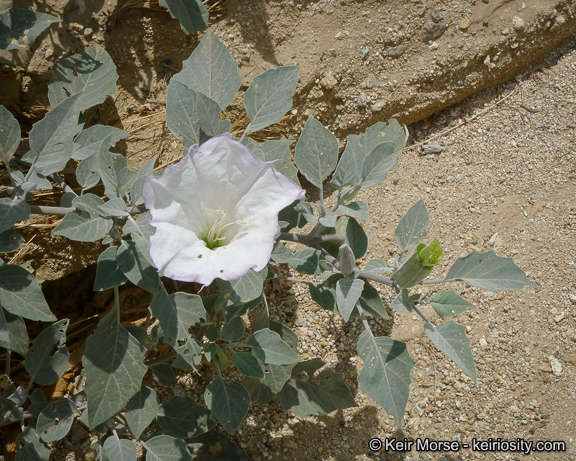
{"type": "Point", "coordinates": [216, 212]}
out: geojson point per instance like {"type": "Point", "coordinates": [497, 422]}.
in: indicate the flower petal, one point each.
{"type": "Point", "coordinates": [220, 186]}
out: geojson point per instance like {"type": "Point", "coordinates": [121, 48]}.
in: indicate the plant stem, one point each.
{"type": "Point", "coordinates": [161, 359]}
{"type": "Point", "coordinates": [319, 227]}
{"type": "Point", "coordinates": [292, 279]}
{"type": "Point", "coordinates": [55, 210]}
{"type": "Point", "coordinates": [421, 314]}
{"type": "Point", "coordinates": [65, 187]}
{"type": "Point", "coordinates": [363, 318]}
{"type": "Point", "coordinates": [8, 357]}
{"type": "Point", "coordinates": [307, 239]}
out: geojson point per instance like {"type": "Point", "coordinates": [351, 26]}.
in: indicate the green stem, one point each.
{"type": "Point", "coordinates": [161, 359]}
{"type": "Point", "coordinates": [363, 318]}
{"type": "Point", "coordinates": [54, 210]}
{"type": "Point", "coordinates": [307, 239]}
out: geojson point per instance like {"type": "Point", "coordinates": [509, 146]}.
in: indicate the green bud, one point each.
{"type": "Point", "coordinates": [347, 260]}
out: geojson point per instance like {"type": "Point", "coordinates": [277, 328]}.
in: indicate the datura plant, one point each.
{"type": "Point", "coordinates": [220, 217]}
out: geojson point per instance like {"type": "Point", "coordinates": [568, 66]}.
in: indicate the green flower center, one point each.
{"type": "Point", "coordinates": [217, 233]}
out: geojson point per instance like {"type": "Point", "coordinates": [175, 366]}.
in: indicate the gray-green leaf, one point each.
{"type": "Point", "coordinates": [269, 97]}
{"type": "Point", "coordinates": [377, 266]}
{"type": "Point", "coordinates": [113, 367]}
{"type": "Point", "coordinates": [33, 449]}
{"type": "Point", "coordinates": [136, 267]}
{"type": "Point", "coordinates": [247, 364]}
{"type": "Point", "coordinates": [141, 410]}
{"type": "Point", "coordinates": [108, 273]}
{"type": "Point", "coordinates": [55, 420]}
{"type": "Point", "coordinates": [44, 366]}
{"type": "Point", "coordinates": [364, 161]}
{"type": "Point", "coordinates": [450, 338]}
{"type": "Point", "coordinates": [192, 14]}
{"type": "Point", "coordinates": [411, 229]}
{"type": "Point", "coordinates": [269, 347]}
{"type": "Point", "coordinates": [323, 394]}
{"type": "Point", "coordinates": [358, 210]}
{"type": "Point", "coordinates": [84, 224]}
{"type": "Point", "coordinates": [20, 27]}
{"type": "Point", "coordinates": [91, 74]}
{"type": "Point", "coordinates": [183, 417]}
{"type": "Point", "coordinates": [316, 152]}
{"type": "Point", "coordinates": [176, 314]}
{"type": "Point", "coordinates": [241, 291]}
{"type": "Point", "coordinates": [20, 294]}
{"type": "Point", "coordinates": [166, 448]}
{"type": "Point", "coordinates": [347, 294]}
{"type": "Point", "coordinates": [448, 303]}
{"type": "Point", "coordinates": [87, 143]}
{"type": "Point", "coordinates": [9, 135]}
{"type": "Point", "coordinates": [386, 373]}
{"type": "Point", "coordinates": [229, 402]}
{"type": "Point", "coordinates": [306, 261]}
{"type": "Point", "coordinates": [278, 151]}
{"type": "Point", "coordinates": [211, 70]}
{"type": "Point", "coordinates": [12, 211]}
{"type": "Point", "coordinates": [51, 139]}
{"type": "Point", "coordinates": [119, 449]}
{"type": "Point", "coordinates": [17, 334]}
{"type": "Point", "coordinates": [402, 302]}
{"type": "Point", "coordinates": [488, 271]}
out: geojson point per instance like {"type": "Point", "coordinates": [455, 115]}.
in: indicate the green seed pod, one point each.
{"type": "Point", "coordinates": [418, 265]}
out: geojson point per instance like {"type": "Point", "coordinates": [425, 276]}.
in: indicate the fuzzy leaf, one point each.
{"type": "Point", "coordinates": [87, 143]}
{"type": "Point", "coordinates": [364, 161]}
{"type": "Point", "coordinates": [20, 294]}
{"type": "Point", "coordinates": [183, 417]}
{"type": "Point", "coordinates": [325, 393]}
{"type": "Point", "coordinates": [269, 97]}
{"type": "Point", "coordinates": [44, 366]}
{"type": "Point", "coordinates": [450, 338]}
{"type": "Point", "coordinates": [55, 420]}
{"type": "Point", "coordinates": [12, 211]}
{"type": "Point", "coordinates": [84, 224]}
{"type": "Point", "coordinates": [192, 14]}
{"type": "Point", "coordinates": [91, 74]}
{"type": "Point", "coordinates": [9, 135]}
{"type": "Point", "coordinates": [411, 229]}
{"type": "Point", "coordinates": [16, 331]}
{"type": "Point", "coordinates": [113, 368]}
{"type": "Point", "coordinates": [119, 449]}
{"type": "Point", "coordinates": [20, 27]}
{"type": "Point", "coordinates": [269, 347]}
{"type": "Point", "coordinates": [51, 139]}
{"type": "Point", "coordinates": [229, 402]}
{"type": "Point", "coordinates": [166, 448]}
{"type": "Point", "coordinates": [386, 373]}
{"type": "Point", "coordinates": [348, 292]}
{"type": "Point", "coordinates": [141, 410]}
{"type": "Point", "coordinates": [316, 152]}
{"type": "Point", "coordinates": [211, 70]}
{"type": "Point", "coordinates": [488, 271]}
{"type": "Point", "coordinates": [447, 303]}
{"type": "Point", "coordinates": [136, 267]}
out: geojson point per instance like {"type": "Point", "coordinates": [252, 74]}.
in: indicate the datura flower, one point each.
{"type": "Point", "coordinates": [216, 212]}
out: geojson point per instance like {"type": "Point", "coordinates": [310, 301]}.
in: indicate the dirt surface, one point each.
{"type": "Point", "coordinates": [504, 179]}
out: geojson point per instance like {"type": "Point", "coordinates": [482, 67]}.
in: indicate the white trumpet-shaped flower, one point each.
{"type": "Point", "coordinates": [216, 212]}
